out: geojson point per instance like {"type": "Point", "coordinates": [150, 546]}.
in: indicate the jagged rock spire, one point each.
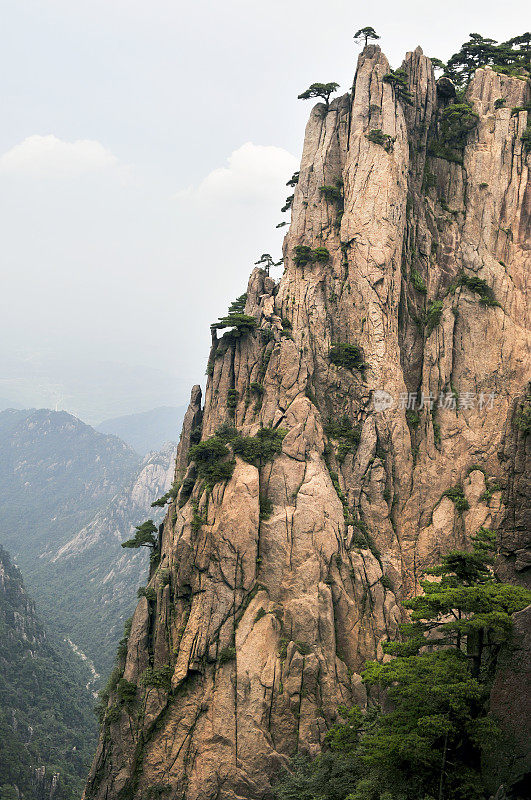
{"type": "Point", "coordinates": [389, 355]}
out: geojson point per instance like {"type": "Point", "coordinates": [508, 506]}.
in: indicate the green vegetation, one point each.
{"type": "Point", "coordinates": [433, 315]}
{"type": "Point", "coordinates": [267, 262]}
{"type": "Point", "coordinates": [260, 614]}
{"type": "Point", "coordinates": [126, 691]}
{"type": "Point", "coordinates": [347, 435]}
{"type": "Point", "coordinates": [238, 306]}
{"type": "Point", "coordinates": [523, 418]}
{"type": "Point", "coordinates": [459, 118]}
{"type": "Point", "coordinates": [266, 508]}
{"type": "Point", "coordinates": [197, 519]}
{"type": "Point", "coordinates": [143, 536]}
{"type": "Point", "coordinates": [333, 194]}
{"type": "Point", "coordinates": [172, 493]}
{"type": "Point", "coordinates": [148, 592]}
{"type": "Point", "coordinates": [457, 496]}
{"type": "Point", "coordinates": [437, 64]}
{"type": "Point", "coordinates": [323, 90]}
{"type": "Point", "coordinates": [418, 281]}
{"type": "Point", "coordinates": [211, 458]}
{"type": "Point", "coordinates": [293, 181]}
{"type": "Point", "coordinates": [456, 122]}
{"type": "Point", "coordinates": [46, 716]}
{"type": "Point", "coordinates": [413, 418]}
{"type": "Point", "coordinates": [478, 286]}
{"type": "Point", "coordinates": [289, 202]}
{"type": "Point", "coordinates": [364, 34]}
{"type": "Point", "coordinates": [157, 678]}
{"type": "Point", "coordinates": [227, 654]}
{"type": "Point", "coordinates": [430, 741]}
{"type": "Point", "coordinates": [320, 254]}
{"type": "Point", "coordinates": [346, 355]}
{"type": "Point", "coordinates": [302, 255]}
{"type": "Point", "coordinates": [383, 139]}
{"type": "Point", "coordinates": [517, 109]}
{"type": "Point", "coordinates": [232, 401]}
{"type": "Point", "coordinates": [60, 475]}
{"type": "Point", "coordinates": [257, 388]}
{"type": "Point", "coordinates": [399, 81]}
{"type": "Point", "coordinates": [241, 324]}
{"type": "Point", "coordinates": [261, 448]}
{"type": "Point", "coordinates": [509, 58]}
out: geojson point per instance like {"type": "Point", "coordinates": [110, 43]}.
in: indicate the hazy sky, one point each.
{"type": "Point", "coordinates": [144, 152]}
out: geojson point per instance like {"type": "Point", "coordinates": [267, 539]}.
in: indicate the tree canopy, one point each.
{"type": "Point", "coordinates": [431, 740]}
{"type": "Point", "coordinates": [511, 57]}
{"type": "Point", "coordinates": [364, 34]}
{"type": "Point", "coordinates": [323, 90]}
{"type": "Point", "coordinates": [143, 536]}
{"type": "Point", "coordinates": [267, 262]}
{"type": "Point", "coordinates": [399, 81]}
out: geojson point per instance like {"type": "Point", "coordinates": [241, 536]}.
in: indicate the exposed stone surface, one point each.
{"type": "Point", "coordinates": [266, 623]}
{"type": "Point", "coordinates": [511, 706]}
{"type": "Point", "coordinates": [514, 563]}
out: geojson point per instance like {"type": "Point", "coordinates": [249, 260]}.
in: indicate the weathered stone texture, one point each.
{"type": "Point", "coordinates": [266, 623]}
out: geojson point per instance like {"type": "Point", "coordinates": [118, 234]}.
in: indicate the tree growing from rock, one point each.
{"type": "Point", "coordinates": [144, 536]}
{"type": "Point", "coordinates": [266, 261]}
{"type": "Point", "coordinates": [364, 34]}
{"type": "Point", "coordinates": [430, 742]}
{"type": "Point", "coordinates": [399, 81]}
{"type": "Point", "coordinates": [323, 90]}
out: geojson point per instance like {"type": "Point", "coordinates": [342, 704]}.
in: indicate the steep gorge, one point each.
{"type": "Point", "coordinates": [273, 588]}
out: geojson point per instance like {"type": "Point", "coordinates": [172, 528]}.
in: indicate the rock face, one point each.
{"type": "Point", "coordinates": [510, 704]}
{"type": "Point", "coordinates": [275, 587]}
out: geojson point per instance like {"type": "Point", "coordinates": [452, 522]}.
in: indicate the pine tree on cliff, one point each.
{"type": "Point", "coordinates": [430, 743]}
{"type": "Point", "coordinates": [143, 536]}
{"type": "Point", "coordinates": [323, 90]}
{"type": "Point", "coordinates": [364, 34]}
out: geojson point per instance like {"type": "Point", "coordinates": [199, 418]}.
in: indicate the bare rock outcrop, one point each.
{"type": "Point", "coordinates": [390, 356]}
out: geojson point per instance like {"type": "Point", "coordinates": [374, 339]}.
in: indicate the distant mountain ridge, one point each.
{"type": "Point", "coordinates": [147, 430]}
{"type": "Point", "coordinates": [94, 564]}
{"type": "Point", "coordinates": [55, 473]}
{"type": "Point", "coordinates": [69, 495]}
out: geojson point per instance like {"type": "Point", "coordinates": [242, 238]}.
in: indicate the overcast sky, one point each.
{"type": "Point", "coordinates": [144, 152]}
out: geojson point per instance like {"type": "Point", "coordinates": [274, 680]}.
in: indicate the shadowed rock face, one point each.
{"type": "Point", "coordinates": [265, 624]}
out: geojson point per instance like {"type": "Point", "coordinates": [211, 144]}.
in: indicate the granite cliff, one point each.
{"type": "Point", "coordinates": [379, 395]}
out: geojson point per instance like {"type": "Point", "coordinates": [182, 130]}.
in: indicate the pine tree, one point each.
{"type": "Point", "coordinates": [364, 34]}
{"type": "Point", "coordinates": [399, 81]}
{"type": "Point", "coordinates": [143, 536]}
{"type": "Point", "coordinates": [323, 90]}
{"type": "Point", "coordinates": [430, 742]}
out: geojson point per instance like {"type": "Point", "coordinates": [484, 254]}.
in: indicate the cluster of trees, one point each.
{"type": "Point", "coordinates": [511, 57]}
{"type": "Point", "coordinates": [430, 740]}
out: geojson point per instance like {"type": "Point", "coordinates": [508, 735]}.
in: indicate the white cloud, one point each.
{"type": "Point", "coordinates": [255, 173]}
{"type": "Point", "coordinates": [49, 156]}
